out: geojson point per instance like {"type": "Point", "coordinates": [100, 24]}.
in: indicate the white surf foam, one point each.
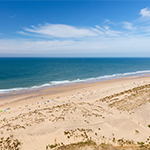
{"type": "Point", "coordinates": [52, 83]}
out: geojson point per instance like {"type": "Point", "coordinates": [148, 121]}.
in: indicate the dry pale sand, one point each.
{"type": "Point", "coordinates": [113, 112]}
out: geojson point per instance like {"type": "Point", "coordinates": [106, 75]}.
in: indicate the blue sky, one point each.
{"type": "Point", "coordinates": [75, 28]}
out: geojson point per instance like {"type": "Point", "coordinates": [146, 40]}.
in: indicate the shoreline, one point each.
{"type": "Point", "coordinates": [57, 90]}
{"type": "Point", "coordinates": [22, 90]}
{"type": "Point", "coordinates": [115, 108]}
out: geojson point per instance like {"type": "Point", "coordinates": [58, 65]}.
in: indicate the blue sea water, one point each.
{"type": "Point", "coordinates": [22, 73]}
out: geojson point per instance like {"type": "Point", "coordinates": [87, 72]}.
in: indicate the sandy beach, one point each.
{"type": "Point", "coordinates": [115, 112]}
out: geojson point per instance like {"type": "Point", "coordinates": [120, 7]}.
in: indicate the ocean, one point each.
{"type": "Point", "coordinates": [32, 73]}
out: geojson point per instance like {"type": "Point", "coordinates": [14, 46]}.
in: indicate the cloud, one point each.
{"type": "Point", "coordinates": [108, 32]}
{"type": "Point", "coordinates": [145, 12]}
{"type": "Point", "coordinates": [145, 16]}
{"type": "Point", "coordinates": [61, 31]}
{"type": "Point", "coordinates": [66, 31]}
{"type": "Point", "coordinates": [131, 46]}
{"type": "Point", "coordinates": [109, 22]}
{"type": "Point", "coordinates": [98, 40]}
{"type": "Point", "coordinates": [22, 32]}
{"type": "Point", "coordinates": [128, 25]}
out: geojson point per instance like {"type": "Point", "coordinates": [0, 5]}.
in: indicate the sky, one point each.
{"type": "Point", "coordinates": [75, 28]}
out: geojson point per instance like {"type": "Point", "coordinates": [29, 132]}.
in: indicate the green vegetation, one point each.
{"type": "Point", "coordinates": [122, 144]}
{"type": "Point", "coordinates": [91, 145]}
{"type": "Point", "coordinates": [51, 146]}
{"type": "Point", "coordinates": [72, 146]}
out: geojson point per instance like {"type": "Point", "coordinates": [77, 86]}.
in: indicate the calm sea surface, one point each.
{"type": "Point", "coordinates": [20, 73]}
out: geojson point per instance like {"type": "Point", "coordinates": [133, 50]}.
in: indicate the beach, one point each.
{"type": "Point", "coordinates": [114, 111]}
{"type": "Point", "coordinates": [74, 75]}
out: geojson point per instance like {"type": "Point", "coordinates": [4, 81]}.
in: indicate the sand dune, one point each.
{"type": "Point", "coordinates": [95, 115]}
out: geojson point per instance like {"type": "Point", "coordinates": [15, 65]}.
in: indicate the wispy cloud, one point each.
{"type": "Point", "coordinates": [109, 22]}
{"type": "Point", "coordinates": [66, 31]}
{"type": "Point", "coordinates": [107, 38]}
{"type": "Point", "coordinates": [128, 25]}
{"type": "Point", "coordinates": [61, 31]}
{"type": "Point", "coordinates": [108, 32]}
{"type": "Point", "coordinates": [110, 29]}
